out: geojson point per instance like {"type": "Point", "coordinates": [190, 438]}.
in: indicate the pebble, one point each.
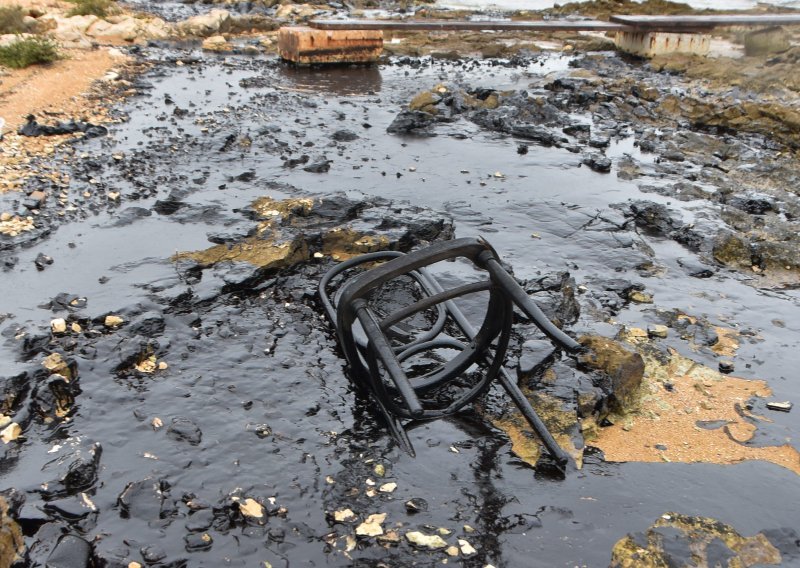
{"type": "Point", "coordinates": [785, 406]}
{"type": "Point", "coordinates": [196, 542]}
{"type": "Point", "coordinates": [640, 297]}
{"type": "Point", "coordinates": [466, 548]}
{"type": "Point", "coordinates": [432, 542]}
{"type": "Point", "coordinates": [656, 330]}
{"type": "Point", "coordinates": [416, 505]}
{"type": "Point", "coordinates": [372, 526]}
{"type": "Point", "coordinates": [251, 508]}
{"type": "Point", "coordinates": [10, 433]}
{"type": "Point", "coordinates": [42, 261]}
{"type": "Point", "coordinates": [344, 516]}
{"type": "Point", "coordinates": [726, 366]}
{"type": "Point", "coordinates": [58, 326]}
{"type": "Point", "coordinates": [113, 321]}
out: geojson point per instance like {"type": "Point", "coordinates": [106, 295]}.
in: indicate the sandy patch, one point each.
{"type": "Point", "coordinates": [699, 416]}
{"type": "Point", "coordinates": [64, 90]}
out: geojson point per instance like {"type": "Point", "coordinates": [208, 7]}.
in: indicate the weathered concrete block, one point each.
{"type": "Point", "coordinates": [765, 41]}
{"type": "Point", "coordinates": [306, 46]}
{"type": "Point", "coordinates": [650, 44]}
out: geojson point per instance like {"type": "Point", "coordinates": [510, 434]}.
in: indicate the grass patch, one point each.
{"type": "Point", "coordinates": [29, 51]}
{"type": "Point", "coordinates": [99, 8]}
{"type": "Point", "coordinates": [11, 20]}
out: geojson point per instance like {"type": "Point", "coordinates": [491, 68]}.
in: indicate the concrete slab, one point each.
{"type": "Point", "coordinates": [650, 44]}
{"type": "Point", "coordinates": [307, 46]}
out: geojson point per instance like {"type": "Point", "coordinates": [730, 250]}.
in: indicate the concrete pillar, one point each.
{"type": "Point", "coordinates": [308, 46]}
{"type": "Point", "coordinates": [650, 44]}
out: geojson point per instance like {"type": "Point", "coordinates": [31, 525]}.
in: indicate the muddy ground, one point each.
{"type": "Point", "coordinates": [179, 398]}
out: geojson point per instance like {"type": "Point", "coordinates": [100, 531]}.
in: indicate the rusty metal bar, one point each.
{"type": "Point", "coordinates": [453, 25]}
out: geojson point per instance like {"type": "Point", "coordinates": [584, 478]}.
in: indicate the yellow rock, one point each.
{"type": "Point", "coordinates": [372, 526]}
{"type": "Point", "coordinates": [251, 508]}
{"type": "Point", "coordinates": [10, 432]}
{"type": "Point", "coordinates": [147, 365]}
{"type": "Point", "coordinates": [344, 516]}
{"type": "Point", "coordinates": [113, 321]}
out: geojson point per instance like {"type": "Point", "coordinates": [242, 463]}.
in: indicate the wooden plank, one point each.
{"type": "Point", "coordinates": [453, 25]}
{"type": "Point", "coordinates": [688, 23]}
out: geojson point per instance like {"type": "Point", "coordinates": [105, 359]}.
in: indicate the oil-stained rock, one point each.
{"type": "Point", "coordinates": [292, 231]}
{"type": "Point", "coordinates": [411, 122]}
{"type": "Point", "coordinates": [617, 370]}
{"type": "Point", "coordinates": [686, 541]}
{"type": "Point", "coordinates": [142, 499]}
{"type": "Point", "coordinates": [54, 398]}
{"type": "Point", "coordinates": [77, 468]}
{"type": "Point", "coordinates": [185, 430]}
{"type": "Point", "coordinates": [70, 552]}
{"type": "Point", "coordinates": [12, 544]}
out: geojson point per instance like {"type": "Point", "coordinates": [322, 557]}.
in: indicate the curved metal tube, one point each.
{"type": "Point", "coordinates": [377, 365]}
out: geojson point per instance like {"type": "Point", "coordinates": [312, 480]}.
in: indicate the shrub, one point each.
{"type": "Point", "coordinates": [99, 8]}
{"type": "Point", "coordinates": [28, 51]}
{"type": "Point", "coordinates": [11, 20]}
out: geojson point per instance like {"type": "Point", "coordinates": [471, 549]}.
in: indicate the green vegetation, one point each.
{"type": "Point", "coordinates": [28, 51]}
{"type": "Point", "coordinates": [11, 20]}
{"type": "Point", "coordinates": [99, 8]}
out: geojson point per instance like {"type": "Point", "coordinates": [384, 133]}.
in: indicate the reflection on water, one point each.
{"type": "Point", "coordinates": [333, 80]}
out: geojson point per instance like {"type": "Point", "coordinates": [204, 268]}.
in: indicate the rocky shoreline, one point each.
{"type": "Point", "coordinates": [173, 394]}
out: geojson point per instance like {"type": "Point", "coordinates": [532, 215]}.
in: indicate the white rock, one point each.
{"type": "Point", "coordinates": [433, 542]}
{"type": "Point", "coordinates": [79, 23]}
{"type": "Point", "coordinates": [212, 23]}
{"type": "Point", "coordinates": [466, 548]}
{"type": "Point", "coordinates": [127, 30]}
{"type": "Point", "coordinates": [216, 43]}
{"type": "Point", "coordinates": [8, 39]}
{"type": "Point", "coordinates": [156, 28]}
{"type": "Point", "coordinates": [58, 325]}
